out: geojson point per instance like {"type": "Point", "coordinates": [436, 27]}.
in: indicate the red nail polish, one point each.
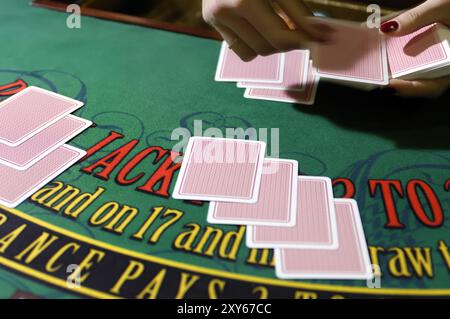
{"type": "Point", "coordinates": [389, 26]}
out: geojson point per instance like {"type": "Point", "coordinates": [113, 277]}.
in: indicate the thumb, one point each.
{"type": "Point", "coordinates": [431, 88]}
{"type": "Point", "coordinates": [409, 21]}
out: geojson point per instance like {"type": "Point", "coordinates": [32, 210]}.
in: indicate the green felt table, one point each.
{"type": "Point", "coordinates": [138, 85]}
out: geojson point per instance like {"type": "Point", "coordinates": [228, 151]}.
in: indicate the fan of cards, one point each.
{"type": "Point", "coordinates": [314, 235]}
{"type": "Point", "coordinates": [34, 125]}
{"type": "Point", "coordinates": [357, 56]}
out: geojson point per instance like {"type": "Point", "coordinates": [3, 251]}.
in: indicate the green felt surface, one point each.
{"type": "Point", "coordinates": [144, 82]}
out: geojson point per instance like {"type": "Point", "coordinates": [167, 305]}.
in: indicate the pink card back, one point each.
{"type": "Point", "coordinates": [276, 204]}
{"type": "Point", "coordinates": [221, 170]}
{"type": "Point", "coordinates": [415, 50]}
{"type": "Point", "coordinates": [307, 96]}
{"type": "Point", "coordinates": [262, 69]}
{"type": "Point", "coordinates": [315, 224]}
{"type": "Point", "coordinates": [294, 76]}
{"type": "Point", "coordinates": [16, 186]}
{"type": "Point", "coordinates": [30, 111]}
{"type": "Point", "coordinates": [349, 261]}
{"type": "Point", "coordinates": [33, 149]}
{"type": "Point", "coordinates": [355, 53]}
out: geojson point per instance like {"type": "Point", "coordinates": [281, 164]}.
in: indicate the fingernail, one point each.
{"type": "Point", "coordinates": [389, 26]}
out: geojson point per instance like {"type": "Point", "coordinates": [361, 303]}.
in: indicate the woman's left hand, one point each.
{"type": "Point", "coordinates": [427, 13]}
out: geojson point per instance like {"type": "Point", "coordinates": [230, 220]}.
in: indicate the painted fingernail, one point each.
{"type": "Point", "coordinates": [389, 26]}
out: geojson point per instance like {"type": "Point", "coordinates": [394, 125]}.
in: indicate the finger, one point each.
{"type": "Point", "coordinates": [391, 16]}
{"type": "Point", "coordinates": [299, 14]}
{"type": "Point", "coordinates": [264, 19]}
{"type": "Point", "coordinates": [236, 44]}
{"type": "Point", "coordinates": [411, 20]}
{"type": "Point", "coordinates": [420, 88]}
{"type": "Point", "coordinates": [249, 35]}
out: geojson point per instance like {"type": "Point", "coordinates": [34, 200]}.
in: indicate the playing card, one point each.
{"type": "Point", "coordinates": [16, 186]}
{"type": "Point", "coordinates": [231, 68]}
{"type": "Point", "coordinates": [315, 226]}
{"type": "Point", "coordinates": [355, 85]}
{"type": "Point", "coordinates": [295, 75]}
{"type": "Point", "coordinates": [425, 49]}
{"type": "Point", "coordinates": [277, 203]}
{"type": "Point", "coordinates": [220, 169]}
{"type": "Point", "coordinates": [355, 53]}
{"type": "Point", "coordinates": [349, 261]}
{"type": "Point", "coordinates": [32, 150]}
{"type": "Point", "coordinates": [430, 73]}
{"type": "Point", "coordinates": [30, 111]}
{"type": "Point", "coordinates": [300, 97]}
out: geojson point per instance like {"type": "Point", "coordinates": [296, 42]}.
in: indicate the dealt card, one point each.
{"type": "Point", "coordinates": [277, 203]}
{"type": "Point", "coordinates": [425, 49]}
{"type": "Point", "coordinates": [231, 68]}
{"type": "Point", "coordinates": [355, 53]}
{"type": "Point", "coordinates": [16, 186]}
{"type": "Point", "coordinates": [30, 111]}
{"type": "Point", "coordinates": [296, 65]}
{"type": "Point", "coordinates": [32, 150]}
{"type": "Point", "coordinates": [315, 226]}
{"type": "Point", "coordinates": [349, 261]}
{"type": "Point", "coordinates": [220, 169]}
{"type": "Point", "coordinates": [299, 97]}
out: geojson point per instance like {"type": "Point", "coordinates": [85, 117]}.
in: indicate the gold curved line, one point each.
{"type": "Point", "coordinates": [218, 273]}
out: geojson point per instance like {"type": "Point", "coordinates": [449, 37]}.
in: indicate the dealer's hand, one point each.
{"type": "Point", "coordinates": [429, 12]}
{"type": "Point", "coordinates": [253, 27]}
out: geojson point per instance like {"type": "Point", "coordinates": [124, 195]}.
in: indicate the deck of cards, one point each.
{"type": "Point", "coordinates": [357, 56]}
{"type": "Point", "coordinates": [314, 235]}
{"type": "Point", "coordinates": [35, 124]}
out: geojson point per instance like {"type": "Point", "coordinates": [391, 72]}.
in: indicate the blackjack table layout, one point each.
{"type": "Point", "coordinates": [113, 214]}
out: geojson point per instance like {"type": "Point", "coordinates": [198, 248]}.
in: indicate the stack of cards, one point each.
{"type": "Point", "coordinates": [356, 56]}
{"type": "Point", "coordinates": [365, 58]}
{"type": "Point", "coordinates": [285, 77]}
{"type": "Point", "coordinates": [313, 234]}
{"type": "Point", "coordinates": [424, 54]}
{"type": "Point", "coordinates": [34, 125]}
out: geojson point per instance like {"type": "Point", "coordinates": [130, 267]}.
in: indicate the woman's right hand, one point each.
{"type": "Point", "coordinates": [427, 13]}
